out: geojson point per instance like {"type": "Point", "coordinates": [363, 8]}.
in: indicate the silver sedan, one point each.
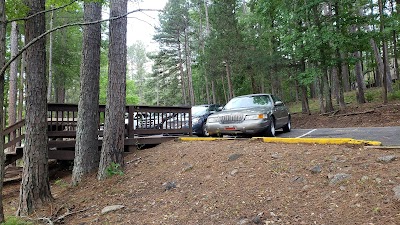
{"type": "Point", "coordinates": [256, 114]}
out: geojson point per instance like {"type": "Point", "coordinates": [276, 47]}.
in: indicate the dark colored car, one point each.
{"type": "Point", "coordinates": [256, 114]}
{"type": "Point", "coordinates": [200, 113]}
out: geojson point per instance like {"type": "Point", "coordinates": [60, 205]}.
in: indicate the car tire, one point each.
{"type": "Point", "coordinates": [204, 131]}
{"type": "Point", "coordinates": [288, 126]}
{"type": "Point", "coordinates": [271, 129]}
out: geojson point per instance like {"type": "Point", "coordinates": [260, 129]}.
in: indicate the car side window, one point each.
{"type": "Point", "coordinates": [275, 99]}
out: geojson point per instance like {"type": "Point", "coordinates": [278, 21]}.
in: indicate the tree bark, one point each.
{"type": "Point", "coordinates": [114, 127]}
{"type": "Point", "coordinates": [213, 92]}
{"type": "Point", "coordinates": [394, 38]}
{"type": "Point", "coordinates": [86, 149]}
{"type": "Point", "coordinates": [21, 88]}
{"type": "Point", "coordinates": [359, 78]}
{"type": "Point", "coordinates": [339, 81]}
{"type": "Point", "coordinates": [387, 68]}
{"type": "Point", "coordinates": [50, 79]}
{"type": "Point", "coordinates": [345, 78]}
{"type": "Point", "coordinates": [224, 89]}
{"type": "Point", "coordinates": [322, 108]}
{"type": "Point", "coordinates": [305, 107]}
{"type": "Point", "coordinates": [35, 186]}
{"type": "Point", "coordinates": [229, 80]}
{"type": "Point", "coordinates": [183, 86]}
{"type": "Point", "coordinates": [327, 91]}
{"type": "Point", "coordinates": [2, 62]}
{"type": "Point", "coordinates": [12, 92]}
{"type": "Point", "coordinates": [395, 56]}
{"type": "Point", "coordinates": [202, 44]}
{"type": "Point", "coordinates": [189, 68]}
{"type": "Point", "coordinates": [335, 83]}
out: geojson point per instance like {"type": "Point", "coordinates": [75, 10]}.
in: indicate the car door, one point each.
{"type": "Point", "coordinates": [280, 112]}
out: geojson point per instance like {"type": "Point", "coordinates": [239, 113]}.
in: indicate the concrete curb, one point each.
{"type": "Point", "coordinates": [322, 141]}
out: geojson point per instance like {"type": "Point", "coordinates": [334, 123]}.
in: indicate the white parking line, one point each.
{"type": "Point", "coordinates": [309, 132]}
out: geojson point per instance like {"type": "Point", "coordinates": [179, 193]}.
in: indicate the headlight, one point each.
{"type": "Point", "coordinates": [256, 117]}
{"type": "Point", "coordinates": [195, 120]}
{"type": "Point", "coordinates": [212, 120]}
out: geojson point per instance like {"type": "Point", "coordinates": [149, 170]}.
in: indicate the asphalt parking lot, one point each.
{"type": "Point", "coordinates": [389, 136]}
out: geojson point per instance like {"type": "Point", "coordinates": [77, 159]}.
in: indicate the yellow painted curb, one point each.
{"type": "Point", "coordinates": [197, 138]}
{"type": "Point", "coordinates": [326, 141]}
{"type": "Point", "coordinates": [207, 138]}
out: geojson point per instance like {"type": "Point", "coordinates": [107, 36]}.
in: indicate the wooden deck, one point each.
{"type": "Point", "coordinates": [143, 125]}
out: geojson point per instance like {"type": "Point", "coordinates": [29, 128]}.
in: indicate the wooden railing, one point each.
{"type": "Point", "coordinates": [14, 134]}
{"type": "Point", "coordinates": [139, 121]}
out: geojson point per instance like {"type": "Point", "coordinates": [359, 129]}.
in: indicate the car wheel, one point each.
{"type": "Point", "coordinates": [271, 129]}
{"type": "Point", "coordinates": [288, 126]}
{"type": "Point", "coordinates": [204, 130]}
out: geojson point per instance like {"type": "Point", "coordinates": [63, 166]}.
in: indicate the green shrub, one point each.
{"type": "Point", "coordinates": [16, 221]}
{"type": "Point", "coordinates": [114, 169]}
{"type": "Point", "coordinates": [369, 96]}
{"type": "Point", "coordinates": [394, 95]}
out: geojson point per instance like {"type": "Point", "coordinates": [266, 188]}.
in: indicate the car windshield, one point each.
{"type": "Point", "coordinates": [248, 102]}
{"type": "Point", "coordinates": [199, 110]}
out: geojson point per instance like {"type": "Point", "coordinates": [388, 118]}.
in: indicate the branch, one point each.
{"type": "Point", "coordinates": [68, 213]}
{"type": "Point", "coordinates": [44, 11]}
{"type": "Point", "coordinates": [33, 41]}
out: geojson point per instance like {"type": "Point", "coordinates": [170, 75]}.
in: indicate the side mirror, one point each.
{"type": "Point", "coordinates": [278, 103]}
{"type": "Point", "coordinates": [220, 108]}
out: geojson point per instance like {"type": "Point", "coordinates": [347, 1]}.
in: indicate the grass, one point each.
{"type": "Point", "coordinates": [371, 95]}
{"type": "Point", "coordinates": [16, 221]}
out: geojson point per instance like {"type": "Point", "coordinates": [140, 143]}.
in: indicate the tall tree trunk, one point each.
{"type": "Point", "coordinates": [359, 78]}
{"type": "Point", "coordinates": [387, 68]}
{"type": "Point", "coordinates": [387, 78]}
{"type": "Point", "coordinates": [86, 149]}
{"type": "Point", "coordinates": [183, 85]}
{"type": "Point", "coordinates": [114, 126]}
{"type": "Point", "coordinates": [335, 83]}
{"type": "Point", "coordinates": [2, 62]}
{"type": "Point", "coordinates": [12, 92]}
{"type": "Point", "coordinates": [214, 99]}
{"type": "Point", "coordinates": [327, 91]}
{"type": "Point", "coordinates": [305, 107]}
{"type": "Point", "coordinates": [339, 81]}
{"type": "Point", "coordinates": [224, 89]}
{"type": "Point", "coordinates": [395, 56]}
{"type": "Point", "coordinates": [189, 68]}
{"type": "Point", "coordinates": [322, 108]}
{"type": "Point", "coordinates": [395, 53]}
{"type": "Point", "coordinates": [21, 88]}
{"type": "Point", "coordinates": [229, 80]}
{"type": "Point", "coordinates": [207, 18]}
{"type": "Point", "coordinates": [60, 93]}
{"type": "Point", "coordinates": [50, 79]}
{"type": "Point", "coordinates": [35, 186]}
{"type": "Point", "coordinates": [202, 44]}
{"type": "Point", "coordinates": [380, 62]}
{"type": "Point", "coordinates": [345, 78]}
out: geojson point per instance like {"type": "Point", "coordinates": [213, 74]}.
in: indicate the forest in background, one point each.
{"type": "Point", "coordinates": [210, 52]}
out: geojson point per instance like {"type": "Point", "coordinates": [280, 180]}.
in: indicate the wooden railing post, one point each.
{"type": "Point", "coordinates": [130, 121]}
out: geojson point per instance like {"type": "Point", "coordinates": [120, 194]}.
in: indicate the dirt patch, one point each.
{"type": "Point", "coordinates": [366, 115]}
{"type": "Point", "coordinates": [242, 182]}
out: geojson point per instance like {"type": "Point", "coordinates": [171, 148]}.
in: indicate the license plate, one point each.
{"type": "Point", "coordinates": [230, 128]}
